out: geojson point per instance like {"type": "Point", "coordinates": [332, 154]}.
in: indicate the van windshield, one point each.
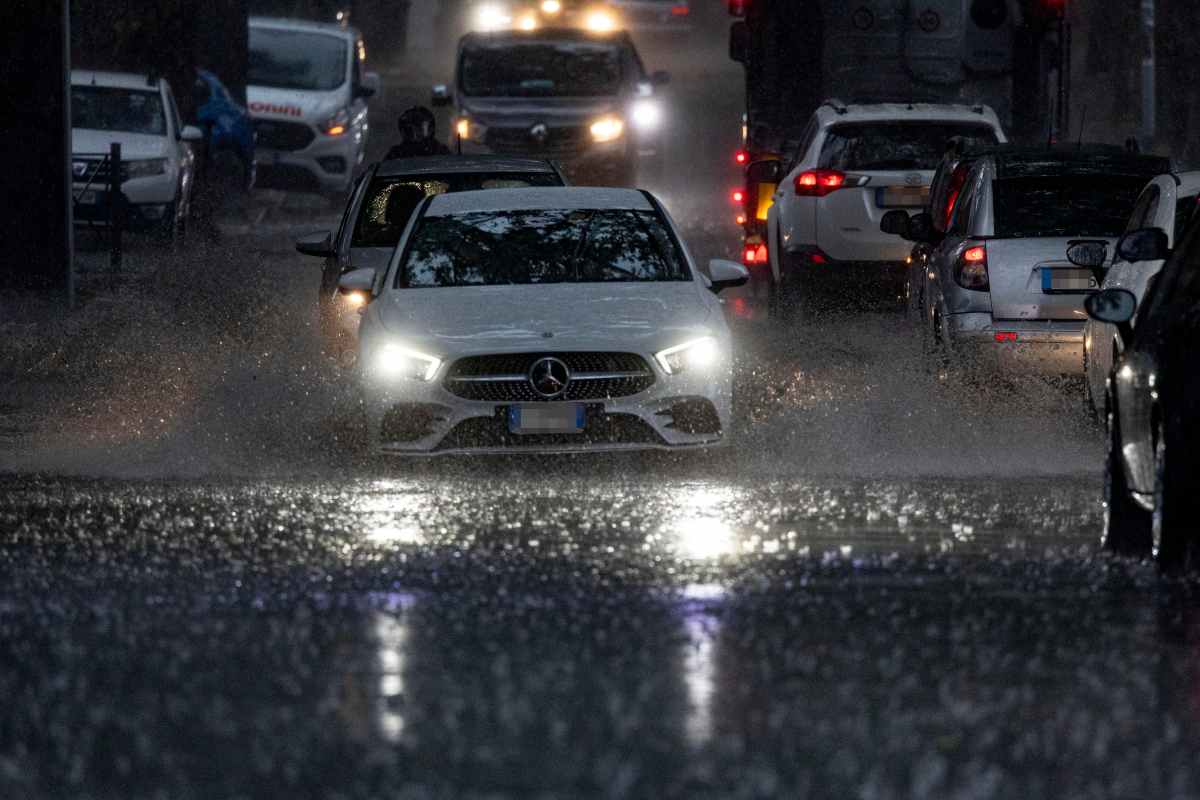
{"type": "Point", "coordinates": [283, 59]}
{"type": "Point", "coordinates": [541, 69]}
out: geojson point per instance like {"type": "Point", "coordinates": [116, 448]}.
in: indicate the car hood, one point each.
{"type": "Point", "coordinates": [133, 145]}
{"type": "Point", "coordinates": [293, 104]}
{"type": "Point", "coordinates": [525, 111]}
{"type": "Point", "coordinates": [497, 319]}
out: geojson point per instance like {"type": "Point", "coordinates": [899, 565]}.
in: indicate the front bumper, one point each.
{"type": "Point", "coordinates": [1040, 347]}
{"type": "Point", "coordinates": [149, 201]}
{"type": "Point", "coordinates": [409, 417]}
{"type": "Point", "coordinates": [327, 164]}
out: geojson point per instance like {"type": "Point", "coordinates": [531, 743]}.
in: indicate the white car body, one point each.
{"type": "Point", "coordinates": [843, 225]}
{"type": "Point", "coordinates": [606, 323]}
{"type": "Point", "coordinates": [1167, 203]}
{"type": "Point", "coordinates": [159, 166]}
{"type": "Point", "coordinates": [311, 139]}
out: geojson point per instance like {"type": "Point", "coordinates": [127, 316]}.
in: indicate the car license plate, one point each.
{"type": "Point", "coordinates": [547, 418]}
{"type": "Point", "coordinates": [87, 198]}
{"type": "Point", "coordinates": [902, 196]}
{"type": "Point", "coordinates": [1068, 281]}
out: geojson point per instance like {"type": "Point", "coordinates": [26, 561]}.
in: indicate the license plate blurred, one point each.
{"type": "Point", "coordinates": [87, 198]}
{"type": "Point", "coordinates": [902, 196]}
{"type": "Point", "coordinates": [1068, 281]}
{"type": "Point", "coordinates": [549, 418]}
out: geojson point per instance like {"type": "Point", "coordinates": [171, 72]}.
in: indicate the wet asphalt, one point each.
{"type": "Point", "coordinates": [888, 587]}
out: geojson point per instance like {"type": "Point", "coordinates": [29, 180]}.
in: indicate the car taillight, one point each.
{"type": "Point", "coordinates": [739, 196]}
{"type": "Point", "coordinates": [971, 271]}
{"type": "Point", "coordinates": [819, 182]}
{"type": "Point", "coordinates": [754, 254]}
{"type": "Point", "coordinates": [741, 157]}
{"type": "Point", "coordinates": [680, 10]}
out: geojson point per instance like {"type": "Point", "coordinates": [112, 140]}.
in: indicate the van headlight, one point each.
{"type": "Point", "coordinates": [145, 167]}
{"type": "Point", "coordinates": [647, 115]}
{"type": "Point", "coordinates": [337, 124]}
{"type": "Point", "coordinates": [393, 361]}
{"type": "Point", "coordinates": [698, 354]}
{"type": "Point", "coordinates": [608, 129]}
{"type": "Point", "coordinates": [493, 17]}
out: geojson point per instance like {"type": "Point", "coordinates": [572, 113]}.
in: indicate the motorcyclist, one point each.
{"type": "Point", "coordinates": [418, 129]}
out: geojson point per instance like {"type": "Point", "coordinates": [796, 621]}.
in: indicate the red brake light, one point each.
{"type": "Point", "coordinates": [971, 271]}
{"type": "Point", "coordinates": [739, 196]}
{"type": "Point", "coordinates": [1006, 336]}
{"type": "Point", "coordinates": [975, 254]}
{"type": "Point", "coordinates": [741, 156]}
{"type": "Point", "coordinates": [740, 219]}
{"type": "Point", "coordinates": [754, 254]}
{"type": "Point", "coordinates": [680, 10]}
{"type": "Point", "coordinates": [819, 182]}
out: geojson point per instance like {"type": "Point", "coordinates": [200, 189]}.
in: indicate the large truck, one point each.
{"type": "Point", "coordinates": [799, 53]}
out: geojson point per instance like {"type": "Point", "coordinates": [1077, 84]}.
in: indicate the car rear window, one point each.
{"type": "Point", "coordinates": [1064, 205]}
{"type": "Point", "coordinates": [897, 145]}
{"type": "Point", "coordinates": [497, 248]}
{"type": "Point", "coordinates": [389, 202]}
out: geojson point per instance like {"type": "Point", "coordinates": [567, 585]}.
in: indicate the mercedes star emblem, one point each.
{"type": "Point", "coordinates": [549, 377]}
{"type": "Point", "coordinates": [539, 133]}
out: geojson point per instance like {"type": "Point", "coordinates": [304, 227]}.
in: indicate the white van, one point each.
{"type": "Point", "coordinates": [308, 96]}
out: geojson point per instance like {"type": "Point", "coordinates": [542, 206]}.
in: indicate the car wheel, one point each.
{"type": "Point", "coordinates": [1091, 409]}
{"type": "Point", "coordinates": [1174, 517]}
{"type": "Point", "coordinates": [173, 227]}
{"type": "Point", "coordinates": [1126, 524]}
{"type": "Point", "coordinates": [788, 301]}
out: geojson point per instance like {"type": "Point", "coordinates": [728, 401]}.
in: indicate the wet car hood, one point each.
{"type": "Point", "coordinates": [465, 320]}
{"type": "Point", "coordinates": [525, 111]}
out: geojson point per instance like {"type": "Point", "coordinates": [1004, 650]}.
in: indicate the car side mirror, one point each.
{"type": "Point", "coordinates": [191, 133]}
{"type": "Point", "coordinates": [1144, 244]}
{"type": "Point", "coordinates": [895, 222]}
{"type": "Point", "coordinates": [357, 280]}
{"type": "Point", "coordinates": [1114, 306]}
{"type": "Point", "coordinates": [318, 245]}
{"type": "Point", "coordinates": [1090, 254]}
{"type": "Point", "coordinates": [660, 77]}
{"type": "Point", "coordinates": [920, 229]}
{"type": "Point", "coordinates": [739, 42]}
{"type": "Point", "coordinates": [770, 171]}
{"type": "Point", "coordinates": [440, 96]}
{"type": "Point", "coordinates": [726, 274]}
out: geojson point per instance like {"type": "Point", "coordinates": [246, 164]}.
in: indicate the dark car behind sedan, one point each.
{"type": "Point", "coordinates": [1152, 472]}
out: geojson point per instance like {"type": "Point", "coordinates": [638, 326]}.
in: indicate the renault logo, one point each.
{"type": "Point", "coordinates": [549, 377]}
{"type": "Point", "coordinates": [539, 133]}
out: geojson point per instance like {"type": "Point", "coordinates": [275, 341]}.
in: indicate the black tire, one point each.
{"type": "Point", "coordinates": [1174, 521]}
{"type": "Point", "coordinates": [173, 229]}
{"type": "Point", "coordinates": [1126, 524]}
{"type": "Point", "coordinates": [1089, 400]}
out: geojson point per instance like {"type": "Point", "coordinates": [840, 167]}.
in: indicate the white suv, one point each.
{"type": "Point", "coordinates": [157, 165]}
{"type": "Point", "coordinates": [854, 164]}
{"type": "Point", "coordinates": [308, 96]}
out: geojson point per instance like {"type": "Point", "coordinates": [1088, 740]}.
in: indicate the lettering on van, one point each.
{"type": "Point", "coordinates": [273, 108]}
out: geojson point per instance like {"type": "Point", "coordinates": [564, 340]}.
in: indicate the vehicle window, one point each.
{"type": "Point", "coordinates": [1185, 208]}
{"type": "Point", "coordinates": [1145, 210]}
{"type": "Point", "coordinates": [102, 108]}
{"type": "Point", "coordinates": [301, 60]}
{"type": "Point", "coordinates": [541, 69]}
{"type": "Point", "coordinates": [389, 202]}
{"type": "Point", "coordinates": [1065, 205]}
{"type": "Point", "coordinates": [806, 140]}
{"type": "Point", "coordinates": [960, 212]}
{"type": "Point", "coordinates": [897, 145]}
{"type": "Point", "coordinates": [545, 246]}
{"type": "Point", "coordinates": [345, 221]}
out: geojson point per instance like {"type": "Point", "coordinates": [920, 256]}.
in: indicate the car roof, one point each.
{"type": "Point", "coordinates": [832, 111]}
{"type": "Point", "coordinates": [565, 35]}
{"type": "Point", "coordinates": [1099, 159]}
{"type": "Point", "coordinates": [443, 165]}
{"type": "Point", "coordinates": [307, 26]}
{"type": "Point", "coordinates": [118, 80]}
{"type": "Point", "coordinates": [568, 198]}
{"type": "Point", "coordinates": [1188, 182]}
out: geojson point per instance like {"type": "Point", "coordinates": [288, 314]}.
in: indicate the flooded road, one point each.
{"type": "Point", "coordinates": [886, 587]}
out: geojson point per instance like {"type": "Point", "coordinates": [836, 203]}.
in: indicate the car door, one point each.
{"type": "Point", "coordinates": [342, 260]}
{"type": "Point", "coordinates": [942, 295]}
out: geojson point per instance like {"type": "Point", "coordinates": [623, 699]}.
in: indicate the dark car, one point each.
{"type": "Point", "coordinates": [1152, 473]}
{"type": "Point", "coordinates": [581, 98]}
{"type": "Point", "coordinates": [378, 211]}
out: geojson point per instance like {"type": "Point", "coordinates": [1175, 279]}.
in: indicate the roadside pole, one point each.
{"type": "Point", "coordinates": [36, 148]}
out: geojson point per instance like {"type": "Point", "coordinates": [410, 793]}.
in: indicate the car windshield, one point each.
{"type": "Point", "coordinates": [494, 248]}
{"type": "Point", "coordinates": [103, 108]}
{"type": "Point", "coordinates": [897, 145]}
{"type": "Point", "coordinates": [1064, 205]}
{"type": "Point", "coordinates": [389, 202]}
{"type": "Point", "coordinates": [541, 69]}
{"type": "Point", "coordinates": [285, 59]}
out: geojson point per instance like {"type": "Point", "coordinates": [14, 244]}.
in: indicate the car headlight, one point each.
{"type": "Point", "coordinates": [396, 361]}
{"type": "Point", "coordinates": [492, 17]}
{"type": "Point", "coordinates": [338, 124]}
{"type": "Point", "coordinates": [599, 20]}
{"type": "Point", "coordinates": [646, 115]}
{"type": "Point", "coordinates": [608, 129]}
{"type": "Point", "coordinates": [528, 22]}
{"type": "Point", "coordinates": [145, 168]}
{"type": "Point", "coordinates": [469, 130]}
{"type": "Point", "coordinates": [697, 354]}
{"type": "Point", "coordinates": [551, 6]}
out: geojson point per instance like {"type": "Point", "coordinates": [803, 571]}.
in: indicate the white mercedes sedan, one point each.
{"type": "Point", "coordinates": [544, 320]}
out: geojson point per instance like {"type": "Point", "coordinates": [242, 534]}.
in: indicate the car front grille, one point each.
{"type": "Point", "coordinates": [96, 171]}
{"type": "Point", "coordinates": [505, 377]}
{"type": "Point", "coordinates": [521, 141]}
{"type": "Point", "coordinates": [278, 135]}
{"type": "Point", "coordinates": [600, 429]}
